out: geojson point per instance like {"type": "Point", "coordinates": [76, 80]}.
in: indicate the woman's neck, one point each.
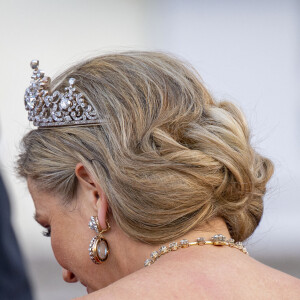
{"type": "Point", "coordinates": [130, 255]}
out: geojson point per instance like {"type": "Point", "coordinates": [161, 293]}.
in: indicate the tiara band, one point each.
{"type": "Point", "coordinates": [68, 108]}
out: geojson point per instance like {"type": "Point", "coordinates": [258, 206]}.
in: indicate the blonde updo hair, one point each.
{"type": "Point", "coordinates": [167, 155]}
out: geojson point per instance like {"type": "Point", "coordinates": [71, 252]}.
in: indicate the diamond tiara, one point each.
{"type": "Point", "coordinates": [57, 109]}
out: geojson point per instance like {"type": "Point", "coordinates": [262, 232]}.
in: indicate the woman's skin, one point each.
{"type": "Point", "coordinates": [199, 272]}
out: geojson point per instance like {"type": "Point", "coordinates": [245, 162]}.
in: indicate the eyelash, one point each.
{"type": "Point", "coordinates": [47, 232]}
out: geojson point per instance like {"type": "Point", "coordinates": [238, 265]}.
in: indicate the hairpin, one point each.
{"type": "Point", "coordinates": [57, 109]}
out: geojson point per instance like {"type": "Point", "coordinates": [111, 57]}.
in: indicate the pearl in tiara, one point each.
{"type": "Point", "coordinates": [66, 108]}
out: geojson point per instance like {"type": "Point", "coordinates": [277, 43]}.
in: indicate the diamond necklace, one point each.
{"type": "Point", "coordinates": [216, 240]}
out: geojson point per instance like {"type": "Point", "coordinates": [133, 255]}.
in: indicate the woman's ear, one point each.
{"type": "Point", "coordinates": [84, 177]}
{"type": "Point", "coordinates": [94, 192]}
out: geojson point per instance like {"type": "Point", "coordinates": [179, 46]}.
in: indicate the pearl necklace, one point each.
{"type": "Point", "coordinates": [216, 240]}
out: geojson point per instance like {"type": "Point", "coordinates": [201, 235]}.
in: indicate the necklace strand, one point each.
{"type": "Point", "coordinates": [216, 240]}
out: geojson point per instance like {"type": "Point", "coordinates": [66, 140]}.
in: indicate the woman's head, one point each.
{"type": "Point", "coordinates": [168, 157]}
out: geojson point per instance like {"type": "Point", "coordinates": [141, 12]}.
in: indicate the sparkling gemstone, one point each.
{"type": "Point", "coordinates": [173, 246]}
{"type": "Point", "coordinates": [72, 81]}
{"type": "Point", "coordinates": [230, 242]}
{"type": "Point", "coordinates": [154, 255]}
{"type": "Point", "coordinates": [201, 240]}
{"type": "Point", "coordinates": [148, 262]}
{"type": "Point", "coordinates": [184, 243]}
{"type": "Point", "coordinates": [219, 238]}
{"type": "Point", "coordinates": [40, 74]}
{"type": "Point", "coordinates": [31, 102]}
{"type": "Point", "coordinates": [162, 250]}
{"type": "Point", "coordinates": [239, 245]}
{"type": "Point", "coordinates": [34, 64]}
{"type": "Point", "coordinates": [64, 103]}
{"type": "Point", "coordinates": [91, 225]}
{"type": "Point", "coordinates": [102, 249]}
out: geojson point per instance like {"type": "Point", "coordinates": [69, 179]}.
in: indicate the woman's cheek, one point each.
{"type": "Point", "coordinates": [57, 248]}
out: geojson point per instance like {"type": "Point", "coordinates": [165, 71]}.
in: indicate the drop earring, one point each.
{"type": "Point", "coordinates": [98, 249]}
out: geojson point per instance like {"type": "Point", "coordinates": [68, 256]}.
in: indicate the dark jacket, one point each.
{"type": "Point", "coordinates": [14, 284]}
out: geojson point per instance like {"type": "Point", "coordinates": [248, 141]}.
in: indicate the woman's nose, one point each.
{"type": "Point", "coordinates": [68, 276]}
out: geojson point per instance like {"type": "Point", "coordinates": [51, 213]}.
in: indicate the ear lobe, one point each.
{"type": "Point", "coordinates": [102, 206]}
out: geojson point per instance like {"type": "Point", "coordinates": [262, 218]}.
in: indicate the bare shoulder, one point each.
{"type": "Point", "coordinates": [143, 284]}
{"type": "Point", "coordinates": [251, 279]}
{"type": "Point", "coordinates": [283, 286]}
{"type": "Point", "coordinates": [247, 279]}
